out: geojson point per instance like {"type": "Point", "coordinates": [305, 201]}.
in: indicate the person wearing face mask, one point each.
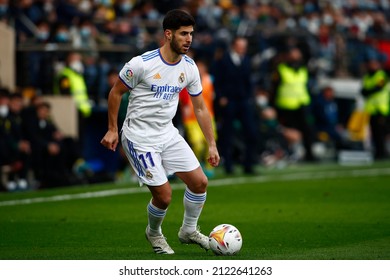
{"type": "Point", "coordinates": [85, 34]}
{"type": "Point", "coordinates": [70, 81]}
{"type": "Point", "coordinates": [62, 34]}
{"type": "Point", "coordinates": [291, 97]}
{"type": "Point", "coordinates": [40, 75]}
{"type": "Point", "coordinates": [376, 92]}
{"type": "Point", "coordinates": [42, 34]}
{"type": "Point", "coordinates": [123, 7]}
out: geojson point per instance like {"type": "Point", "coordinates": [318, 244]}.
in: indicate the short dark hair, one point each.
{"type": "Point", "coordinates": [177, 18]}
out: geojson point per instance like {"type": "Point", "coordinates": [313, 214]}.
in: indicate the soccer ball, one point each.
{"type": "Point", "coordinates": [225, 239]}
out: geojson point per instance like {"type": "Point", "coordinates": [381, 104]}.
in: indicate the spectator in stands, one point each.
{"type": "Point", "coordinates": [53, 154]}
{"type": "Point", "coordinates": [235, 95]}
{"type": "Point", "coordinates": [123, 8]}
{"type": "Point", "coordinates": [356, 48]}
{"type": "Point", "coordinates": [291, 97]}
{"type": "Point", "coordinates": [4, 11]}
{"type": "Point", "coordinates": [104, 11]}
{"type": "Point", "coordinates": [62, 34]}
{"type": "Point", "coordinates": [5, 139]}
{"type": "Point", "coordinates": [124, 32]}
{"type": "Point", "coordinates": [20, 146]}
{"type": "Point", "coordinates": [70, 11]}
{"type": "Point", "coordinates": [40, 75]}
{"type": "Point", "coordinates": [26, 12]}
{"type": "Point", "coordinates": [326, 52]}
{"type": "Point", "coordinates": [380, 26]}
{"type": "Point", "coordinates": [43, 32]}
{"type": "Point", "coordinates": [14, 149]}
{"type": "Point", "coordinates": [29, 112]}
{"type": "Point", "coordinates": [85, 35]}
{"type": "Point", "coordinates": [376, 91]}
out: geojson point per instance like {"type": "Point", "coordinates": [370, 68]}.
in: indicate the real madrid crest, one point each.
{"type": "Point", "coordinates": [181, 78]}
{"type": "Point", "coordinates": [149, 175]}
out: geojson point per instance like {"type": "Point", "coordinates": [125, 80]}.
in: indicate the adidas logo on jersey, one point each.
{"type": "Point", "coordinates": [157, 76]}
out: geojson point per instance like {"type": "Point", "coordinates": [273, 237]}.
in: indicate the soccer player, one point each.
{"type": "Point", "coordinates": [152, 144]}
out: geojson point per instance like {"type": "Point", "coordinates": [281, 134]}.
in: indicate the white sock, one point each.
{"type": "Point", "coordinates": [155, 219]}
{"type": "Point", "coordinates": [193, 205]}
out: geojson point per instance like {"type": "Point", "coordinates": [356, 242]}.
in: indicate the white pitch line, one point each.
{"type": "Point", "coordinates": [212, 183]}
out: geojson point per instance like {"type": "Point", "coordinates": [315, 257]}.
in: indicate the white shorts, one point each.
{"type": "Point", "coordinates": [152, 164]}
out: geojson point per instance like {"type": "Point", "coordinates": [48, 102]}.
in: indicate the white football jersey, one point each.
{"type": "Point", "coordinates": [154, 88]}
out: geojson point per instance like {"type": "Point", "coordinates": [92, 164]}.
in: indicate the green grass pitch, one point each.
{"type": "Point", "coordinates": [318, 212]}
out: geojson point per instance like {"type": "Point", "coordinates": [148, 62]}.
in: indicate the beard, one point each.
{"type": "Point", "coordinates": [176, 47]}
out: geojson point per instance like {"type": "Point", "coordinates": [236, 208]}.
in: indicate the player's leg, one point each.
{"type": "Point", "coordinates": [147, 165]}
{"type": "Point", "coordinates": [194, 197]}
{"type": "Point", "coordinates": [157, 209]}
{"type": "Point", "coordinates": [178, 158]}
{"type": "Point", "coordinates": [193, 201]}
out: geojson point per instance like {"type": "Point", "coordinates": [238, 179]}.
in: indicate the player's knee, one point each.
{"type": "Point", "coordinates": [166, 202]}
{"type": "Point", "coordinates": [163, 202]}
{"type": "Point", "coordinates": [201, 185]}
{"type": "Point", "coordinates": [204, 182]}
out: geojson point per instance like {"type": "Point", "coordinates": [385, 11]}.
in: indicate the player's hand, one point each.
{"type": "Point", "coordinates": [213, 156]}
{"type": "Point", "coordinates": [110, 140]}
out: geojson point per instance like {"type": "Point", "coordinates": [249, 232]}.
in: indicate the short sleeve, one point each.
{"type": "Point", "coordinates": [132, 72]}
{"type": "Point", "coordinates": [194, 86]}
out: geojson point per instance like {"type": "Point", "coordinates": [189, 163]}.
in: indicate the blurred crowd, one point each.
{"type": "Point", "coordinates": [334, 35]}
{"type": "Point", "coordinates": [34, 153]}
{"type": "Point", "coordinates": [316, 38]}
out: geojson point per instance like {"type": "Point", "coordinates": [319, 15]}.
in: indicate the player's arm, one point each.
{"type": "Point", "coordinates": [204, 120]}
{"type": "Point", "coordinates": [111, 139]}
